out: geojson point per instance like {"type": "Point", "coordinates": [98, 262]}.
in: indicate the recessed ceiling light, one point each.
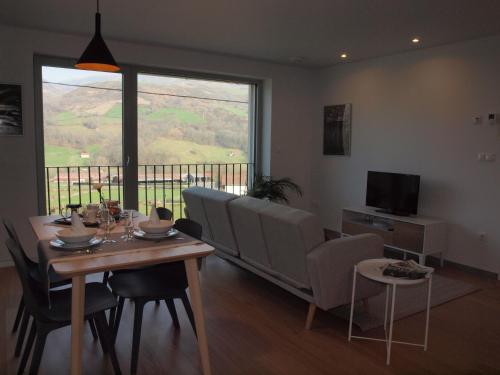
{"type": "Point", "coordinates": [343, 56]}
{"type": "Point", "coordinates": [415, 40]}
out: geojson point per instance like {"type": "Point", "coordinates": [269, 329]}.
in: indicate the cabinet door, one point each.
{"type": "Point", "coordinates": [352, 228]}
{"type": "Point", "coordinates": [409, 236]}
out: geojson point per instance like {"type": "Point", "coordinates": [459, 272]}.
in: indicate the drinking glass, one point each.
{"type": "Point", "coordinates": [107, 223]}
{"type": "Point", "coordinates": [128, 224]}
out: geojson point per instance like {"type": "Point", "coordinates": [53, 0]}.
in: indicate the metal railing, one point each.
{"type": "Point", "coordinates": [159, 184]}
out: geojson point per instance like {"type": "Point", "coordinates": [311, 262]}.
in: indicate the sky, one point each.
{"type": "Point", "coordinates": [63, 75]}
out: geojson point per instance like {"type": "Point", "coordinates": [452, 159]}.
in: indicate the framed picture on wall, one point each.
{"type": "Point", "coordinates": [337, 130]}
{"type": "Point", "coordinates": [11, 110]}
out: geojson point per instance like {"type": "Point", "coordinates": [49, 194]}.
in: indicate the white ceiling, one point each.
{"type": "Point", "coordinates": [273, 30]}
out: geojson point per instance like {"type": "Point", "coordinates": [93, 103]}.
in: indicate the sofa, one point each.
{"type": "Point", "coordinates": [284, 245]}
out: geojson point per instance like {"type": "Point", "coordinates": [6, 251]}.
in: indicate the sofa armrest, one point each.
{"type": "Point", "coordinates": [331, 264]}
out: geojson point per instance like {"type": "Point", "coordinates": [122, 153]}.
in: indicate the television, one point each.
{"type": "Point", "coordinates": [393, 193]}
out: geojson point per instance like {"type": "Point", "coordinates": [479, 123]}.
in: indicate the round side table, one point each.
{"type": "Point", "coordinates": [373, 269]}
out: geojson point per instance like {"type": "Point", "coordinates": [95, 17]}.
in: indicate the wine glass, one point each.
{"type": "Point", "coordinates": [128, 224]}
{"type": "Point", "coordinates": [107, 223]}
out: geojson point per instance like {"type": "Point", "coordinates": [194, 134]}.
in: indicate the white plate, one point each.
{"type": "Point", "coordinates": [75, 246]}
{"type": "Point", "coordinates": [69, 236]}
{"type": "Point", "coordinates": [148, 236]}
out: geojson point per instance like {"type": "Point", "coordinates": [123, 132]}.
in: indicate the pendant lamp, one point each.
{"type": "Point", "coordinates": [97, 56]}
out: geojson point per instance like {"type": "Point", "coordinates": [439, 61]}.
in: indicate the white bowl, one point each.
{"type": "Point", "coordinates": [68, 236]}
{"type": "Point", "coordinates": [162, 227]}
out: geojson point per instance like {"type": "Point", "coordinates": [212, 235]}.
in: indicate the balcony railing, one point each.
{"type": "Point", "coordinates": [160, 184]}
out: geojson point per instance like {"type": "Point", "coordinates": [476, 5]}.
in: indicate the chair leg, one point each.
{"type": "Point", "coordinates": [112, 315]}
{"type": "Point", "coordinates": [136, 339]}
{"type": "Point", "coordinates": [106, 337]}
{"type": "Point", "coordinates": [41, 337]}
{"type": "Point", "coordinates": [310, 315]}
{"type": "Point", "coordinates": [19, 315]}
{"type": "Point", "coordinates": [27, 348]}
{"type": "Point", "coordinates": [157, 301]}
{"type": "Point", "coordinates": [22, 333]}
{"type": "Point", "coordinates": [92, 328]}
{"type": "Point", "coordinates": [173, 313]}
{"type": "Point", "coordinates": [118, 318]}
{"type": "Point", "coordinates": [105, 277]}
{"type": "Point", "coordinates": [189, 311]}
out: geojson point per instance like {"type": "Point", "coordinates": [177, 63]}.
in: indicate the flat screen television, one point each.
{"type": "Point", "coordinates": [394, 193]}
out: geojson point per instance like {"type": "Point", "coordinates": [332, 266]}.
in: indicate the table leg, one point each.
{"type": "Point", "coordinates": [77, 318]}
{"type": "Point", "coordinates": [387, 291]}
{"type": "Point", "coordinates": [391, 324]}
{"type": "Point", "coordinates": [195, 293]}
{"type": "Point", "coordinates": [352, 302]}
{"type": "Point", "coordinates": [429, 288]}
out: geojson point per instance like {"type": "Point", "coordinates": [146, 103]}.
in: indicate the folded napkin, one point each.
{"type": "Point", "coordinates": [77, 226]}
{"type": "Point", "coordinates": [153, 215]}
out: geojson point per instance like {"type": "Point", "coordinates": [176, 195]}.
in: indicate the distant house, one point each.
{"type": "Point", "coordinates": [84, 155]}
{"type": "Point", "coordinates": [195, 177]}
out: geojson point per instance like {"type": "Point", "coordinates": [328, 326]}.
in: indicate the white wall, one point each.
{"type": "Point", "coordinates": [413, 113]}
{"type": "Point", "coordinates": [287, 110]}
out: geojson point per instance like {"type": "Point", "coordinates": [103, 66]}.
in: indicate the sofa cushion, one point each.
{"type": "Point", "coordinates": [290, 234]}
{"type": "Point", "coordinates": [248, 230]}
{"type": "Point", "coordinates": [216, 212]}
{"type": "Point", "coordinates": [194, 203]}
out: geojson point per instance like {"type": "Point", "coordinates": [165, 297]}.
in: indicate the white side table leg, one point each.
{"type": "Point", "coordinates": [391, 324]}
{"type": "Point", "coordinates": [352, 302]}
{"type": "Point", "coordinates": [387, 291]}
{"type": "Point", "coordinates": [429, 288]}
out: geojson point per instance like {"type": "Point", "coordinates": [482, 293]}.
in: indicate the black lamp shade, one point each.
{"type": "Point", "coordinates": [97, 55]}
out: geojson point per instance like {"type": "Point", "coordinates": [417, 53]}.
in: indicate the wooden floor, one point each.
{"type": "Point", "coordinates": [255, 327]}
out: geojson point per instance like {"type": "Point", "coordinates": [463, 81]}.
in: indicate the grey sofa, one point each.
{"type": "Point", "coordinates": [284, 245]}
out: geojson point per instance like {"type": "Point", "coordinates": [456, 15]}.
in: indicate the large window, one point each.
{"type": "Point", "coordinates": [145, 136]}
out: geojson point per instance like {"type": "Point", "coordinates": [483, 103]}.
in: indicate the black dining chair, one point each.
{"type": "Point", "coordinates": [163, 214]}
{"type": "Point", "coordinates": [98, 299]}
{"type": "Point", "coordinates": [162, 282]}
{"type": "Point", "coordinates": [22, 320]}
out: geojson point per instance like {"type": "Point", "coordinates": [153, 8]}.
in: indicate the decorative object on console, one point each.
{"type": "Point", "coordinates": [11, 113]}
{"type": "Point", "coordinates": [265, 187]}
{"type": "Point", "coordinates": [337, 130]}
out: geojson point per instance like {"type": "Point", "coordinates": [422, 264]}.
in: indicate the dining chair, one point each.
{"type": "Point", "coordinates": [162, 282]}
{"type": "Point", "coordinates": [98, 299]}
{"type": "Point", "coordinates": [163, 214]}
{"type": "Point", "coordinates": [21, 321]}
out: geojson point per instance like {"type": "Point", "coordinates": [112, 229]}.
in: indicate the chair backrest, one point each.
{"type": "Point", "coordinates": [33, 295]}
{"type": "Point", "coordinates": [11, 232]}
{"type": "Point", "coordinates": [164, 213]}
{"type": "Point", "coordinates": [190, 227]}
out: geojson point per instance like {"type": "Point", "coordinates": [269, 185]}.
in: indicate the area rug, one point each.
{"type": "Point", "coordinates": [409, 300]}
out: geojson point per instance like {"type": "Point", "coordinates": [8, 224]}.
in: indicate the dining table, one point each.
{"type": "Point", "coordinates": [120, 255]}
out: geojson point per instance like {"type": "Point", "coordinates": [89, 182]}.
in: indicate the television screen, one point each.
{"type": "Point", "coordinates": [394, 193]}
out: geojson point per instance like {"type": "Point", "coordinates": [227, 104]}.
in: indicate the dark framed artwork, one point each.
{"type": "Point", "coordinates": [11, 110]}
{"type": "Point", "coordinates": [337, 130]}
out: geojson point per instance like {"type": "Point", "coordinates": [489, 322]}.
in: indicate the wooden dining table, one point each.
{"type": "Point", "coordinates": [77, 267]}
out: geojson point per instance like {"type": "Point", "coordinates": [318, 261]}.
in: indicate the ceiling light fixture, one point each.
{"type": "Point", "coordinates": [415, 40]}
{"type": "Point", "coordinates": [97, 56]}
{"type": "Point", "coordinates": [343, 56]}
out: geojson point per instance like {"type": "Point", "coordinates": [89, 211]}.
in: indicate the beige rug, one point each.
{"type": "Point", "coordinates": [409, 300]}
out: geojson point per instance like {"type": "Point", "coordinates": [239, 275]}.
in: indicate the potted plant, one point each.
{"type": "Point", "coordinates": [265, 187]}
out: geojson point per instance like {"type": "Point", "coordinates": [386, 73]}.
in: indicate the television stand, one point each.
{"type": "Point", "coordinates": [417, 235]}
{"type": "Point", "coordinates": [389, 212]}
